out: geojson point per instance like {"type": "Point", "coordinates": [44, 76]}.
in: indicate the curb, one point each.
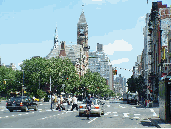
{"type": "Point", "coordinates": [154, 122]}
{"type": "Point", "coordinates": [160, 123]}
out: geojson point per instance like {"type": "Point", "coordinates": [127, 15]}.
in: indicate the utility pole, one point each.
{"type": "Point", "coordinates": [23, 84]}
{"type": "Point", "coordinates": [50, 93]}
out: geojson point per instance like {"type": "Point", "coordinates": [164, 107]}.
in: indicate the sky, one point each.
{"type": "Point", "coordinates": [27, 28]}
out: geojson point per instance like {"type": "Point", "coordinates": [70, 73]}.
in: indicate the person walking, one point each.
{"type": "Point", "coordinates": [69, 102]}
{"type": "Point", "coordinates": [74, 101]}
{"type": "Point", "coordinates": [52, 101]}
{"type": "Point", "coordinates": [58, 105]}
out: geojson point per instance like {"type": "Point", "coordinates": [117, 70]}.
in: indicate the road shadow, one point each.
{"type": "Point", "coordinates": [149, 124]}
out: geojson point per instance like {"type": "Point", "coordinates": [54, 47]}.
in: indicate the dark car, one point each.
{"type": "Point", "coordinates": [22, 103]}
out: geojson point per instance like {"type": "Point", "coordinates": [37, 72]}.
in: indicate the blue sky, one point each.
{"type": "Point", "coordinates": [27, 28]}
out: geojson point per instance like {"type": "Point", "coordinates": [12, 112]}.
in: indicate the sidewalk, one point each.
{"type": "Point", "coordinates": [160, 123]}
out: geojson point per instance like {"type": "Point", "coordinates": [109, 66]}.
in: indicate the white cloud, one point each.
{"type": "Point", "coordinates": [113, 1]}
{"type": "Point", "coordinates": [124, 0]}
{"type": "Point", "coordinates": [99, 2]}
{"type": "Point", "coordinates": [118, 45]}
{"type": "Point", "coordinates": [98, 8]}
{"type": "Point", "coordinates": [119, 61]}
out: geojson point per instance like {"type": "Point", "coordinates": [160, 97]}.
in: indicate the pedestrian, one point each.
{"type": "Point", "coordinates": [69, 102]}
{"type": "Point", "coordinates": [53, 101]}
{"type": "Point", "coordinates": [74, 102]}
{"type": "Point", "coordinates": [58, 103]}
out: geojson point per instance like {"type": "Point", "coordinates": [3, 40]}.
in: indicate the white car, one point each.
{"type": "Point", "coordinates": [97, 109]}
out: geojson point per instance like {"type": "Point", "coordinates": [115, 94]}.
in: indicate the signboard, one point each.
{"type": "Point", "coordinates": [165, 15]}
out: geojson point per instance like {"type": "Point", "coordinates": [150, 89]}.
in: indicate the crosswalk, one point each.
{"type": "Point", "coordinates": [124, 115]}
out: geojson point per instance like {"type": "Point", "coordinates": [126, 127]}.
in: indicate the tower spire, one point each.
{"type": "Point", "coordinates": [82, 9]}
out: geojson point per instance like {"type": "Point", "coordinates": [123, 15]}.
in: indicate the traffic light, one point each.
{"type": "Point", "coordinates": [115, 72]}
{"type": "Point", "coordinates": [5, 82]}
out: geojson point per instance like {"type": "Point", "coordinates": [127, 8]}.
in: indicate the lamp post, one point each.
{"type": "Point", "coordinates": [22, 85]}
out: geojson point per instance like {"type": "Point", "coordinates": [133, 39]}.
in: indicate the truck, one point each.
{"type": "Point", "coordinates": [132, 98]}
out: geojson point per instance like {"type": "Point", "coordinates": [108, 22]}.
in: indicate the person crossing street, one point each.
{"type": "Point", "coordinates": [74, 101]}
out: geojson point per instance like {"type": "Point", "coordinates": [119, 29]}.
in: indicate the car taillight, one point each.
{"type": "Point", "coordinates": [6, 104]}
{"type": "Point", "coordinates": [81, 106]}
{"type": "Point", "coordinates": [96, 107]}
{"type": "Point", "coordinates": [21, 104]}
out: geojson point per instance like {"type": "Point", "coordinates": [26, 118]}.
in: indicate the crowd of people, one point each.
{"type": "Point", "coordinates": [57, 102]}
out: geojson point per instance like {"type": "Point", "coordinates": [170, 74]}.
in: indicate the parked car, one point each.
{"type": "Point", "coordinates": [22, 103]}
{"type": "Point", "coordinates": [97, 109]}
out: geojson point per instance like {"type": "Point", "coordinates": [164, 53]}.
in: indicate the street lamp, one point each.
{"type": "Point", "coordinates": [23, 84]}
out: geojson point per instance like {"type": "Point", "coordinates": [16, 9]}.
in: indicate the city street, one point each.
{"type": "Point", "coordinates": [117, 115]}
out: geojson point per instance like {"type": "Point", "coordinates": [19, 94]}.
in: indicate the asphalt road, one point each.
{"type": "Point", "coordinates": [117, 115]}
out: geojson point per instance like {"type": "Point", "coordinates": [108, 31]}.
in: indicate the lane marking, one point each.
{"type": "Point", "coordinates": [2, 110]}
{"type": "Point", "coordinates": [125, 114]}
{"type": "Point", "coordinates": [154, 114]}
{"type": "Point", "coordinates": [136, 114]}
{"type": "Point", "coordinates": [108, 105]}
{"type": "Point", "coordinates": [92, 120]}
{"type": "Point", "coordinates": [26, 113]}
{"type": "Point", "coordinates": [0, 117]}
{"type": "Point", "coordinates": [43, 118]}
{"type": "Point", "coordinates": [19, 114]}
{"type": "Point", "coordinates": [133, 107]}
{"type": "Point", "coordinates": [114, 112]}
{"type": "Point", "coordinates": [58, 114]}
{"type": "Point", "coordinates": [115, 115]}
{"type": "Point", "coordinates": [6, 116]}
{"type": "Point", "coordinates": [39, 109]}
{"type": "Point", "coordinates": [12, 115]}
{"type": "Point", "coordinates": [136, 117]}
{"type": "Point", "coordinates": [41, 104]}
{"type": "Point", "coordinates": [32, 112]}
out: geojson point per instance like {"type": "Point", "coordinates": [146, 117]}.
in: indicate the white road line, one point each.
{"type": "Point", "coordinates": [2, 110]}
{"type": "Point", "coordinates": [108, 105]}
{"type": "Point", "coordinates": [48, 110]}
{"type": "Point", "coordinates": [136, 114]}
{"type": "Point", "coordinates": [154, 114]}
{"type": "Point", "coordinates": [133, 107]}
{"type": "Point", "coordinates": [108, 112]}
{"type": "Point", "coordinates": [12, 115]}
{"type": "Point", "coordinates": [6, 116]}
{"type": "Point", "coordinates": [32, 112]}
{"type": "Point", "coordinates": [41, 104]}
{"type": "Point", "coordinates": [114, 112]}
{"type": "Point", "coordinates": [43, 118]}
{"type": "Point", "coordinates": [26, 113]}
{"type": "Point", "coordinates": [19, 114]}
{"type": "Point", "coordinates": [125, 114]}
{"type": "Point", "coordinates": [39, 109]}
{"type": "Point", "coordinates": [58, 114]}
{"type": "Point", "coordinates": [136, 117]}
{"type": "Point", "coordinates": [115, 115]}
{"type": "Point", "coordinates": [93, 120]}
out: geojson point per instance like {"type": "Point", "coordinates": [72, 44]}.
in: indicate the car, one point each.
{"type": "Point", "coordinates": [23, 103]}
{"type": "Point", "coordinates": [97, 109]}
